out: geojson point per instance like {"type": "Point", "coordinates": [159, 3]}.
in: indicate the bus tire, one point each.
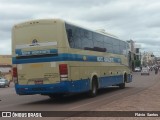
{"type": "Point", "coordinates": [123, 85]}
{"type": "Point", "coordinates": [93, 91]}
{"type": "Point", "coordinates": [56, 96]}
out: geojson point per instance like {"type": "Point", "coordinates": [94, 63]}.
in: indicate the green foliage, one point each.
{"type": "Point", "coordinates": [0, 74]}
{"type": "Point", "coordinates": [137, 63]}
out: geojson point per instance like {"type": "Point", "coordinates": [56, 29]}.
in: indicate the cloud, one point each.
{"type": "Point", "coordinates": [138, 20]}
{"type": "Point", "coordinates": [5, 47]}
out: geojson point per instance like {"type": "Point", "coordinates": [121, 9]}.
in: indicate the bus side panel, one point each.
{"type": "Point", "coordinates": [110, 81]}
{"type": "Point", "coordinates": [108, 74]}
{"type": "Point", "coordinates": [79, 82]}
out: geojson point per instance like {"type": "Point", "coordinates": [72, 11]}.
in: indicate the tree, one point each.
{"type": "Point", "coordinates": [0, 74]}
{"type": "Point", "coordinates": [137, 63]}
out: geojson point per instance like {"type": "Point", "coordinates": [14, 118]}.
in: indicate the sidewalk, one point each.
{"type": "Point", "coordinates": [147, 100]}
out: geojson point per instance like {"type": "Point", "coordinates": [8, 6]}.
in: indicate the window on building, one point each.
{"type": "Point", "coordinates": [137, 50]}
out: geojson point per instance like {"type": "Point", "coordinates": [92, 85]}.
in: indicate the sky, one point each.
{"type": "Point", "coordinates": [138, 20]}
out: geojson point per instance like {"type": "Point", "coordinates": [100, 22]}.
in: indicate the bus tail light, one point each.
{"type": "Point", "coordinates": [63, 70]}
{"type": "Point", "coordinates": [15, 75]}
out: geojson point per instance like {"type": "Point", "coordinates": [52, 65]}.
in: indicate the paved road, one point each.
{"type": "Point", "coordinates": [12, 102]}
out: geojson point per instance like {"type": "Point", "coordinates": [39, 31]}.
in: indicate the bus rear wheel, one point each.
{"type": "Point", "coordinates": [123, 85]}
{"type": "Point", "coordinates": [56, 96]}
{"type": "Point", "coordinates": [93, 91]}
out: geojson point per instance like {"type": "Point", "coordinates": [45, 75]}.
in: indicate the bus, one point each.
{"type": "Point", "coordinates": [55, 58]}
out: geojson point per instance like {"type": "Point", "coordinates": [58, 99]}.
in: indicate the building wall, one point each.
{"type": "Point", "coordinates": [131, 54]}
{"type": "Point", "coordinates": [137, 51]}
{"type": "Point", "coordinates": [6, 66]}
{"type": "Point", "coordinates": [148, 59]}
{"type": "Point", "coordinates": [5, 60]}
{"type": "Point", "coordinates": [5, 63]}
{"type": "Point", "coordinates": [134, 54]}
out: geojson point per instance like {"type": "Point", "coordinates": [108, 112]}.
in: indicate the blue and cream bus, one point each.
{"type": "Point", "coordinates": [53, 57]}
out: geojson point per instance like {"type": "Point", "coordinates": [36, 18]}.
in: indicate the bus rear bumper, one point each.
{"type": "Point", "coordinates": [64, 87]}
{"type": "Point", "coordinates": [45, 89]}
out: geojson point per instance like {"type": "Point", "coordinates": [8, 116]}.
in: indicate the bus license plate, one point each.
{"type": "Point", "coordinates": [38, 81]}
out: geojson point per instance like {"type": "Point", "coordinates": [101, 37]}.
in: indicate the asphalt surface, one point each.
{"type": "Point", "coordinates": [10, 101]}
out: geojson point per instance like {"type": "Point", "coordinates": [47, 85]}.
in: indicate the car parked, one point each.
{"type": "Point", "coordinates": [4, 82]}
{"type": "Point", "coordinates": [145, 71]}
{"type": "Point", "coordinates": [137, 69]}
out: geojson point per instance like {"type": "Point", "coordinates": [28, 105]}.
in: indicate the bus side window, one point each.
{"type": "Point", "coordinates": [69, 34]}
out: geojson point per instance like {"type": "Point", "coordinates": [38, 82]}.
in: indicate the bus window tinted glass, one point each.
{"type": "Point", "coordinates": [80, 38]}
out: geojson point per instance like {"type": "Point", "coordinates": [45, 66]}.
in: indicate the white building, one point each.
{"type": "Point", "coordinates": [148, 59]}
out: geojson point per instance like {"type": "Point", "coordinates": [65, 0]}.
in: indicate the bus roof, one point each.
{"type": "Point", "coordinates": [37, 21]}
{"type": "Point", "coordinates": [96, 31]}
